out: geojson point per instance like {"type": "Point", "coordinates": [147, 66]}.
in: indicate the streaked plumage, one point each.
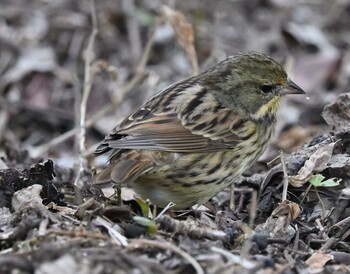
{"type": "Point", "coordinates": [192, 139]}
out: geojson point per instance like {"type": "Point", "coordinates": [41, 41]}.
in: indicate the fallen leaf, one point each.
{"type": "Point", "coordinates": [317, 181]}
{"type": "Point", "coordinates": [183, 33]}
{"type": "Point", "coordinates": [278, 224]}
{"type": "Point", "coordinates": [27, 197]}
{"type": "Point", "coordinates": [289, 209]}
{"type": "Point", "coordinates": [318, 260]}
{"type": "Point", "coordinates": [337, 114]}
{"type": "Point", "coordinates": [315, 164]}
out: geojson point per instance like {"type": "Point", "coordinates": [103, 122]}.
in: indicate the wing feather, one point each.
{"type": "Point", "coordinates": [166, 126]}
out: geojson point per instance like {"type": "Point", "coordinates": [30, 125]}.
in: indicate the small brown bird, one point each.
{"type": "Point", "coordinates": [191, 140]}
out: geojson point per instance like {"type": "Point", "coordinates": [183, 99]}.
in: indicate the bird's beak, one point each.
{"type": "Point", "coordinates": [292, 88]}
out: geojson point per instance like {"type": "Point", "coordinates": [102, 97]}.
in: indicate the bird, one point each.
{"type": "Point", "coordinates": [191, 140]}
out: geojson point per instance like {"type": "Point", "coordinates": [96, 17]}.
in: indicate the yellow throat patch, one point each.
{"type": "Point", "coordinates": [270, 108]}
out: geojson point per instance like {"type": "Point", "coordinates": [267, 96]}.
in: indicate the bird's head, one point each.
{"type": "Point", "coordinates": [251, 83]}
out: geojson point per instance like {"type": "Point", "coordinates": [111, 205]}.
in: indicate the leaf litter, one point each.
{"type": "Point", "coordinates": [43, 229]}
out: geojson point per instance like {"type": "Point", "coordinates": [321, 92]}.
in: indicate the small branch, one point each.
{"type": "Point", "coordinates": [86, 93]}
{"type": "Point", "coordinates": [116, 100]}
{"type": "Point", "coordinates": [190, 228]}
{"type": "Point", "coordinates": [323, 216]}
{"type": "Point", "coordinates": [140, 243]}
{"type": "Point", "coordinates": [4, 118]}
{"type": "Point", "coordinates": [342, 223]}
{"type": "Point", "coordinates": [329, 244]}
{"type": "Point", "coordinates": [285, 177]}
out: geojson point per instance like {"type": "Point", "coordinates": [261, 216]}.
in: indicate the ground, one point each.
{"type": "Point", "coordinates": [70, 63]}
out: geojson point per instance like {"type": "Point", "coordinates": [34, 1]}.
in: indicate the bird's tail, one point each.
{"type": "Point", "coordinates": [123, 169]}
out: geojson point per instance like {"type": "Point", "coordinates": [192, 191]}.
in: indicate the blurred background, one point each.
{"type": "Point", "coordinates": [43, 48]}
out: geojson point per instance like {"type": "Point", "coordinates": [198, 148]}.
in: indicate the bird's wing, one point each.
{"type": "Point", "coordinates": [199, 124]}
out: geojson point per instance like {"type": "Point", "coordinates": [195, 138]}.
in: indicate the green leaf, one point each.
{"type": "Point", "coordinates": [331, 182]}
{"type": "Point", "coordinates": [143, 205]}
{"type": "Point", "coordinates": [149, 224]}
{"type": "Point", "coordinates": [317, 181]}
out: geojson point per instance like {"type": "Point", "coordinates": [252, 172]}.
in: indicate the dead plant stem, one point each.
{"type": "Point", "coordinates": [86, 93]}
{"type": "Point", "coordinates": [285, 177]}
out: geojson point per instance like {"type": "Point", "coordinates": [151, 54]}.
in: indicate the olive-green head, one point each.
{"type": "Point", "coordinates": [250, 83]}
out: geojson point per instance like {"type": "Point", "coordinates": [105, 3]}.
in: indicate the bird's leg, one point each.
{"type": "Point", "coordinates": [240, 203]}
{"type": "Point", "coordinates": [253, 201]}
{"type": "Point", "coordinates": [118, 194]}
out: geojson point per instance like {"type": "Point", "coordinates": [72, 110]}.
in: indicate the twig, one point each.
{"type": "Point", "coordinates": [247, 244]}
{"type": "Point", "coordinates": [140, 243]}
{"type": "Point", "coordinates": [86, 93]}
{"type": "Point", "coordinates": [344, 222]}
{"type": "Point", "coordinates": [246, 247]}
{"type": "Point", "coordinates": [285, 177]}
{"type": "Point", "coordinates": [190, 228]}
{"type": "Point", "coordinates": [169, 205]}
{"type": "Point", "coordinates": [297, 251]}
{"type": "Point", "coordinates": [4, 118]}
{"type": "Point", "coordinates": [78, 233]}
{"type": "Point", "coordinates": [323, 216]}
{"type": "Point", "coordinates": [291, 261]}
{"type": "Point", "coordinates": [116, 100]}
{"type": "Point", "coordinates": [82, 208]}
{"type": "Point", "coordinates": [329, 244]}
{"type": "Point", "coordinates": [297, 238]}
{"type": "Point", "coordinates": [345, 235]}
{"type": "Point", "coordinates": [304, 194]}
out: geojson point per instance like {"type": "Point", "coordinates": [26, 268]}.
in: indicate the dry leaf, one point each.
{"type": "Point", "coordinates": [27, 198]}
{"type": "Point", "coordinates": [183, 32]}
{"type": "Point", "coordinates": [286, 212]}
{"type": "Point", "coordinates": [318, 260]}
{"type": "Point", "coordinates": [338, 114]}
{"type": "Point", "coordinates": [289, 209]}
{"type": "Point", "coordinates": [315, 164]}
{"type": "Point", "coordinates": [278, 224]}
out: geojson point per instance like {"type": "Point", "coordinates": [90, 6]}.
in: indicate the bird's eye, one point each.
{"type": "Point", "coordinates": [268, 88]}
